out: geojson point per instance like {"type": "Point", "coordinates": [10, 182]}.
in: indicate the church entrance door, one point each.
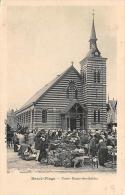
{"type": "Point", "coordinates": [72, 123]}
{"type": "Point", "coordinates": [73, 117]}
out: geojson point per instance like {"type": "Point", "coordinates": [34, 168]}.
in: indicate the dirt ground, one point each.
{"type": "Point", "coordinates": [16, 164]}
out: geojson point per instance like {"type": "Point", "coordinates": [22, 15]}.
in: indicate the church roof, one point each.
{"type": "Point", "coordinates": [43, 90]}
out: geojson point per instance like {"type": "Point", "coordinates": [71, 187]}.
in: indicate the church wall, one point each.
{"type": "Point", "coordinates": [94, 93]}
{"type": "Point", "coordinates": [55, 100]}
{"type": "Point", "coordinates": [53, 119]}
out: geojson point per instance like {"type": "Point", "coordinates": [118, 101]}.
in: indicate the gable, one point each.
{"type": "Point", "coordinates": [43, 91]}
{"type": "Point", "coordinates": [56, 96]}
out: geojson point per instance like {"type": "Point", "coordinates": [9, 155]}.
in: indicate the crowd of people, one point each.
{"type": "Point", "coordinates": [61, 147]}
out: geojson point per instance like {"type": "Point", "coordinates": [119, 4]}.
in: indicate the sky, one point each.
{"type": "Point", "coordinates": [43, 40]}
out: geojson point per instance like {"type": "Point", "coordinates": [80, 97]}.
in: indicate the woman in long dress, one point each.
{"type": "Point", "coordinates": [102, 152]}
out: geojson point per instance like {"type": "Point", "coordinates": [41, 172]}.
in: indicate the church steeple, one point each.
{"type": "Point", "coordinates": [93, 74]}
{"type": "Point", "coordinates": [93, 38]}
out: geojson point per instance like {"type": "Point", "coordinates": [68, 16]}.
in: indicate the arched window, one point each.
{"type": "Point", "coordinates": [94, 76]}
{"type": "Point", "coordinates": [81, 122]}
{"type": "Point", "coordinates": [32, 115]}
{"type": "Point", "coordinates": [98, 77]}
{"type": "Point", "coordinates": [76, 94]}
{"type": "Point", "coordinates": [67, 93]}
{"type": "Point", "coordinates": [94, 115]}
{"type": "Point", "coordinates": [29, 116]}
{"type": "Point", "coordinates": [98, 115]}
{"type": "Point", "coordinates": [71, 91]}
{"type": "Point", "coordinates": [44, 116]}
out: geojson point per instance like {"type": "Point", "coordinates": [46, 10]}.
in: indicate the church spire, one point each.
{"type": "Point", "coordinates": [93, 51]}
{"type": "Point", "coordinates": [93, 38]}
{"type": "Point", "coordinates": [93, 45]}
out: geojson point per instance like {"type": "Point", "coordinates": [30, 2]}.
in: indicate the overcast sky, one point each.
{"type": "Point", "coordinates": [42, 42]}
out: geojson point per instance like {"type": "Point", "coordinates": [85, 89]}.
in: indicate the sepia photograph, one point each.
{"type": "Point", "coordinates": [61, 111]}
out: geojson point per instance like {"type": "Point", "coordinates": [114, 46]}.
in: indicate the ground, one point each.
{"type": "Point", "coordinates": [15, 163]}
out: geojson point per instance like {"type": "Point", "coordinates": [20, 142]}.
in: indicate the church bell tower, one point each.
{"type": "Point", "coordinates": [93, 71]}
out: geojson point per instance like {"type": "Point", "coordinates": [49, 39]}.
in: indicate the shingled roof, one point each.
{"type": "Point", "coordinates": [43, 90]}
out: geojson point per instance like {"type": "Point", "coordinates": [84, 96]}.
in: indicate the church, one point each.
{"type": "Point", "coordinates": [73, 100]}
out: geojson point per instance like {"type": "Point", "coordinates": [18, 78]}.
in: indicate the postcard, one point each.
{"type": "Point", "coordinates": [62, 97]}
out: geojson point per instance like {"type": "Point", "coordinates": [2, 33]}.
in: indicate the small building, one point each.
{"type": "Point", "coordinates": [11, 120]}
{"type": "Point", "coordinates": [73, 99]}
{"type": "Point", "coordinates": [112, 113]}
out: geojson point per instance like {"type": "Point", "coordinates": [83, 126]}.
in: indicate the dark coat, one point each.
{"type": "Point", "coordinates": [92, 147]}
{"type": "Point", "coordinates": [37, 143]}
{"type": "Point", "coordinates": [103, 152]}
{"type": "Point", "coordinates": [43, 152]}
{"type": "Point", "coordinates": [37, 140]}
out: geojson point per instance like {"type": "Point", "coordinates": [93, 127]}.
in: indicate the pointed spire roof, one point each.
{"type": "Point", "coordinates": [93, 51]}
{"type": "Point", "coordinates": [93, 45]}
{"type": "Point", "coordinates": [93, 32]}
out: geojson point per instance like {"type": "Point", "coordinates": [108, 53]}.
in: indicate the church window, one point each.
{"type": "Point", "coordinates": [71, 91]}
{"type": "Point", "coordinates": [44, 116]}
{"type": "Point", "coordinates": [84, 123]}
{"type": "Point", "coordinates": [81, 122]}
{"type": "Point", "coordinates": [94, 76]}
{"type": "Point", "coordinates": [23, 117]}
{"type": "Point", "coordinates": [26, 117]}
{"type": "Point", "coordinates": [98, 77]}
{"type": "Point", "coordinates": [67, 93]}
{"type": "Point", "coordinates": [94, 115]}
{"type": "Point", "coordinates": [76, 94]}
{"type": "Point", "coordinates": [29, 116]}
{"type": "Point", "coordinates": [98, 115]}
{"type": "Point", "coordinates": [68, 123]}
{"type": "Point", "coordinates": [32, 115]}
